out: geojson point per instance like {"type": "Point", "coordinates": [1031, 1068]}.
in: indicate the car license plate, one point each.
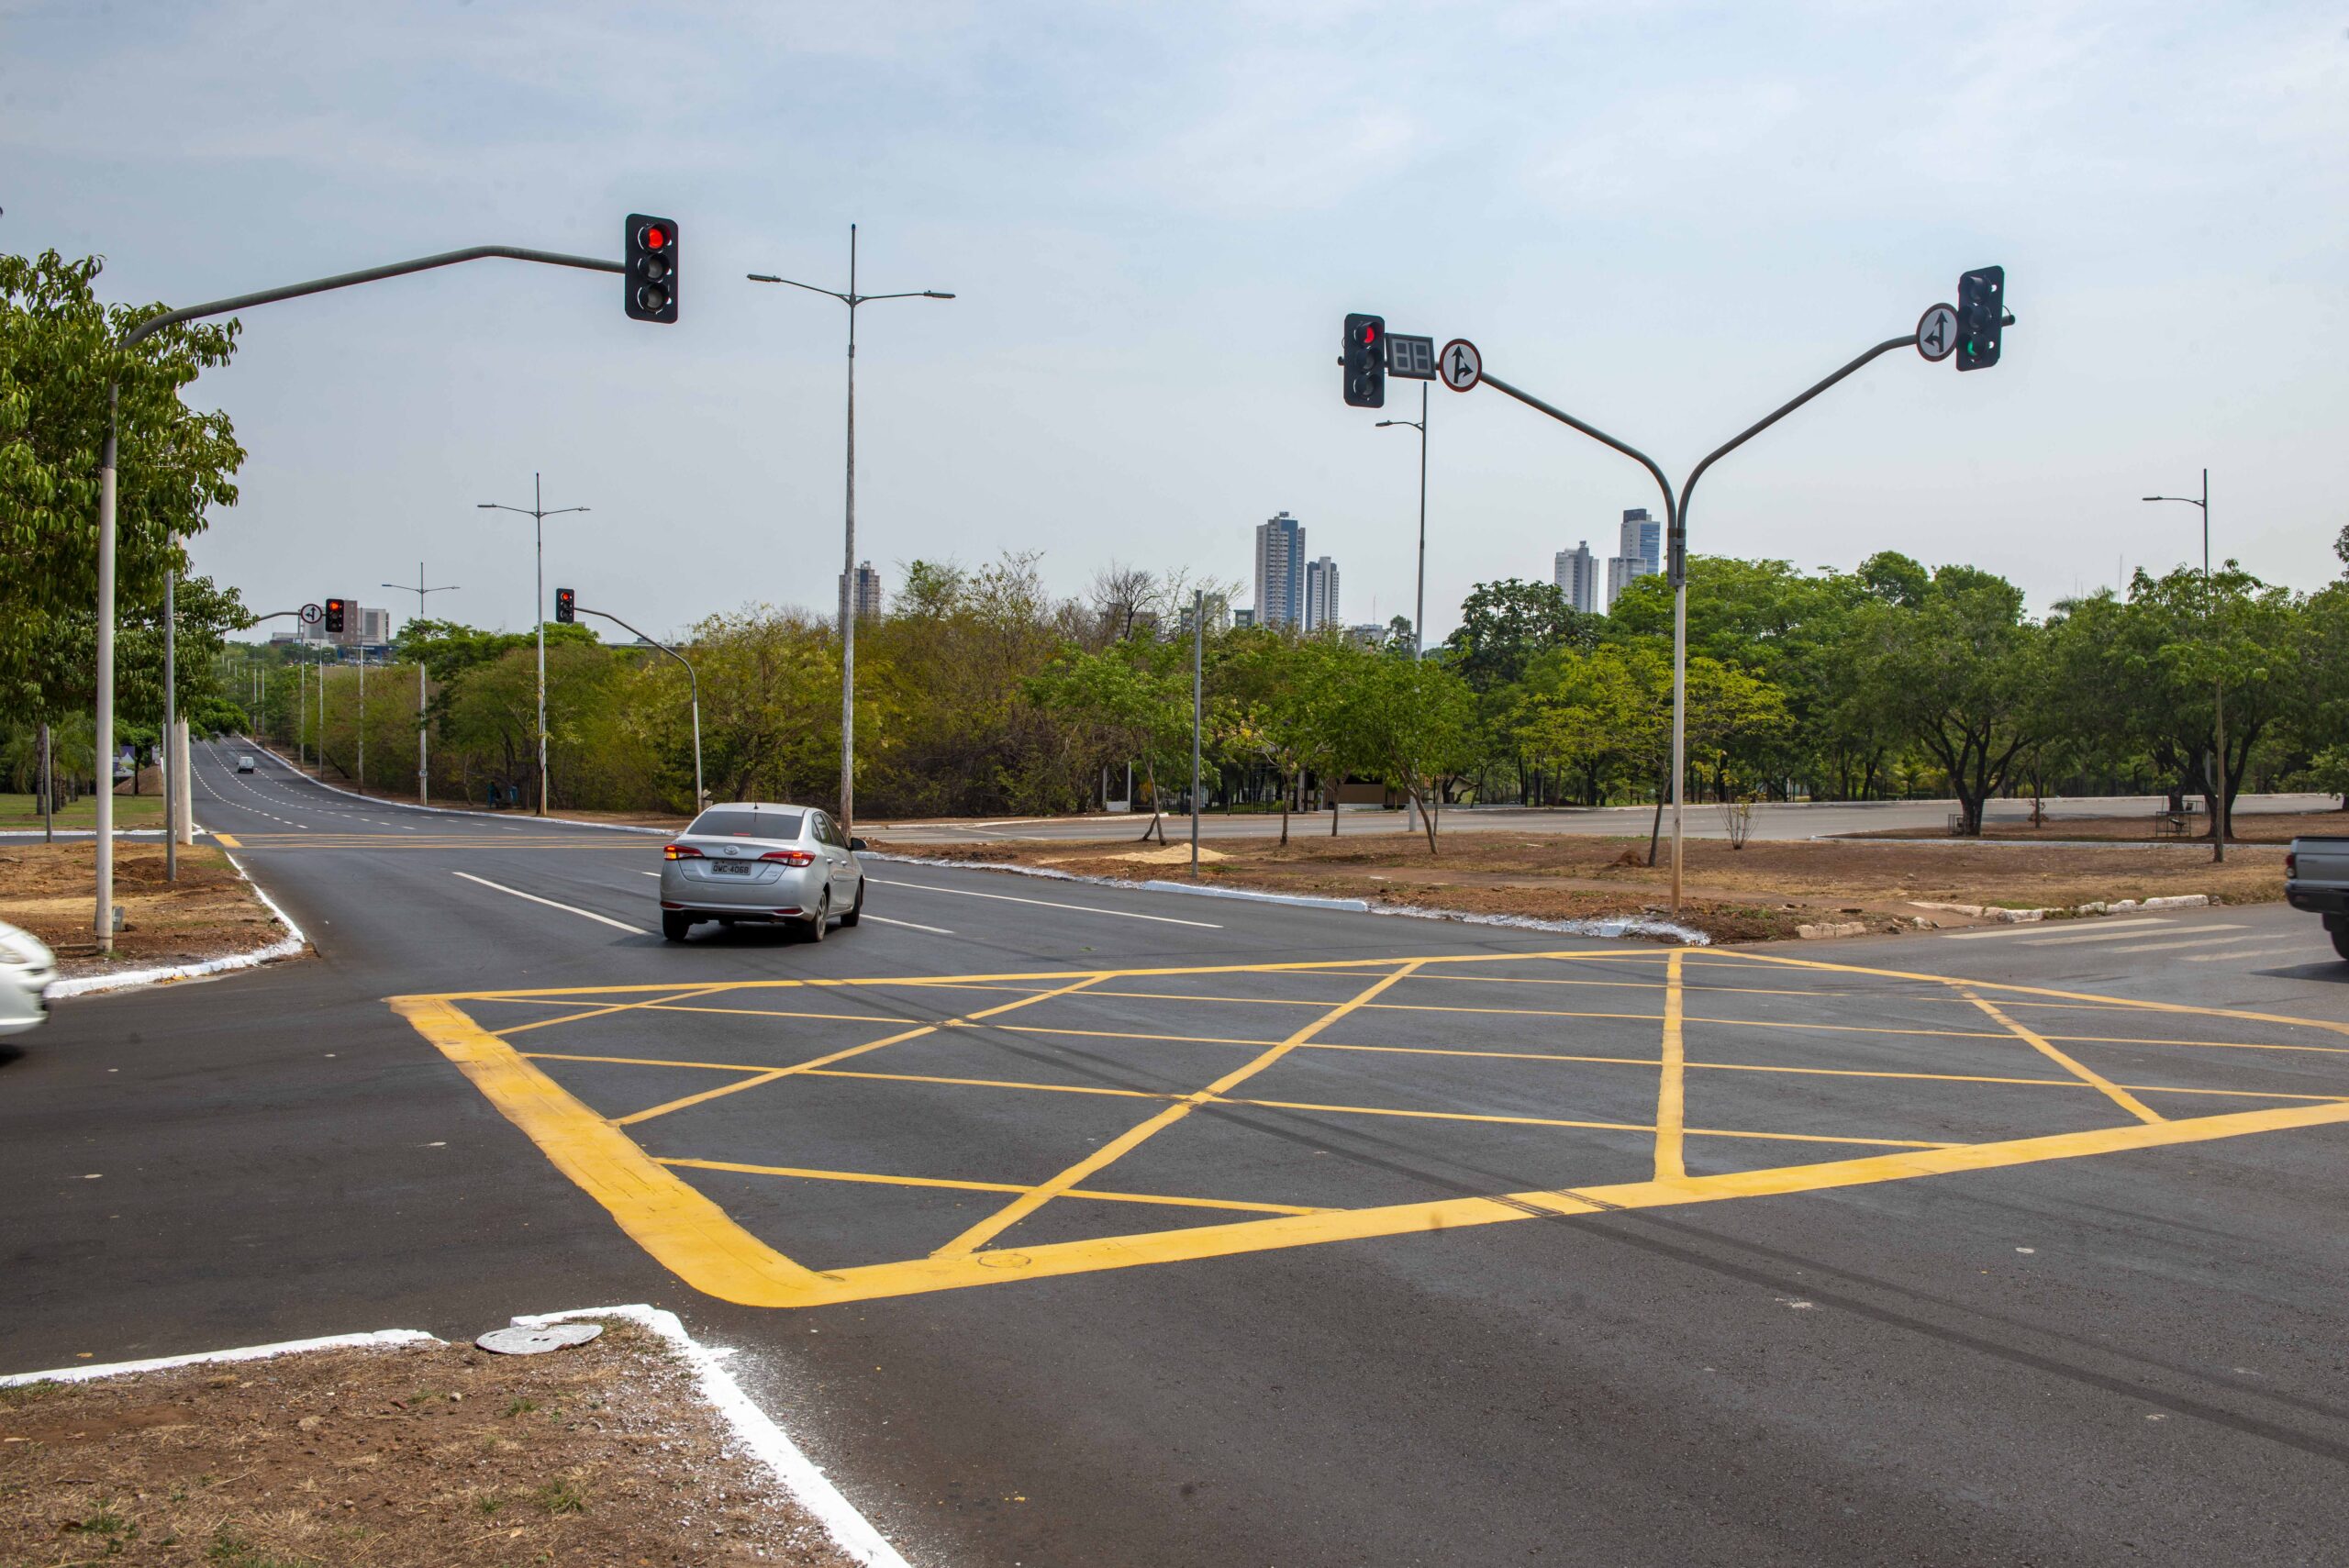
{"type": "Point", "coordinates": [730, 867]}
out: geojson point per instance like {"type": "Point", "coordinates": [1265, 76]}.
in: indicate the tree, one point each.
{"type": "Point", "coordinates": [1413, 722]}
{"type": "Point", "coordinates": [1136, 696]}
{"type": "Point", "coordinates": [58, 356]}
{"type": "Point", "coordinates": [1279, 703]}
{"type": "Point", "coordinates": [1504, 624]}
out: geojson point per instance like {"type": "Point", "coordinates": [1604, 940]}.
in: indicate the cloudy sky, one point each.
{"type": "Point", "coordinates": [1664, 217]}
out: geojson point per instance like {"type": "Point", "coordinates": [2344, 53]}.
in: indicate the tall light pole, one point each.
{"type": "Point", "coordinates": [693, 687]}
{"type": "Point", "coordinates": [537, 512]}
{"type": "Point", "coordinates": [2218, 684]}
{"type": "Point", "coordinates": [848, 567]}
{"type": "Point", "coordinates": [423, 790]}
{"type": "Point", "coordinates": [1420, 596]}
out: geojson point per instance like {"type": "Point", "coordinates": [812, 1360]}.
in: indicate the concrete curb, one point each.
{"type": "Point", "coordinates": [2006, 917]}
{"type": "Point", "coordinates": [755, 1430]}
{"type": "Point", "coordinates": [380, 1336]}
{"type": "Point", "coordinates": [289, 946]}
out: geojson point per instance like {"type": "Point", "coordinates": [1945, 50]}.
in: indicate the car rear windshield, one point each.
{"type": "Point", "coordinates": [742, 822]}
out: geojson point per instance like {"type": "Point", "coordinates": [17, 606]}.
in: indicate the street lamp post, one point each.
{"type": "Point", "coordinates": [537, 512]}
{"type": "Point", "coordinates": [2218, 683]}
{"type": "Point", "coordinates": [847, 568]}
{"type": "Point", "coordinates": [693, 687]}
{"type": "Point", "coordinates": [423, 789]}
{"type": "Point", "coordinates": [1420, 596]}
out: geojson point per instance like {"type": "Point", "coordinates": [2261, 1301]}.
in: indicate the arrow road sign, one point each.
{"type": "Point", "coordinates": [1461, 367]}
{"type": "Point", "coordinates": [1937, 333]}
{"type": "Point", "coordinates": [311, 614]}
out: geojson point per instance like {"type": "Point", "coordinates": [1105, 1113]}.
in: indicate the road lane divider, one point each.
{"type": "Point", "coordinates": [566, 908]}
{"type": "Point", "coordinates": [911, 924]}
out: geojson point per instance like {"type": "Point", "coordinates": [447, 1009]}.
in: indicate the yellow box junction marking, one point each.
{"type": "Point", "coordinates": [691, 1235]}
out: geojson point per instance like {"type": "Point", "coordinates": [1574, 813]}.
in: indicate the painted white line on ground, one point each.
{"type": "Point", "coordinates": [2029, 931]}
{"type": "Point", "coordinates": [909, 924]}
{"type": "Point", "coordinates": [2123, 936]}
{"type": "Point", "coordinates": [2187, 943]}
{"type": "Point", "coordinates": [757, 1431]}
{"type": "Point", "coordinates": [652, 873]}
{"type": "Point", "coordinates": [2256, 953]}
{"type": "Point", "coordinates": [242, 1354]}
{"type": "Point", "coordinates": [1047, 904]}
{"type": "Point", "coordinates": [566, 908]}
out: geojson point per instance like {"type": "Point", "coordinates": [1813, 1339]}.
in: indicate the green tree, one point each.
{"type": "Point", "coordinates": [1413, 723]}
{"type": "Point", "coordinates": [1136, 698]}
{"type": "Point", "coordinates": [1504, 624]}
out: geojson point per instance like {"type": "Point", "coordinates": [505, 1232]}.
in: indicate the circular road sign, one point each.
{"type": "Point", "coordinates": [311, 614]}
{"type": "Point", "coordinates": [1937, 333]}
{"type": "Point", "coordinates": [1460, 365]}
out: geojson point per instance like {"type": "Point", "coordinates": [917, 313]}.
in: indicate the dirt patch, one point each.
{"type": "Point", "coordinates": [419, 1456]}
{"type": "Point", "coordinates": [2249, 828]}
{"type": "Point", "coordinates": [210, 912]}
{"type": "Point", "coordinates": [1757, 894]}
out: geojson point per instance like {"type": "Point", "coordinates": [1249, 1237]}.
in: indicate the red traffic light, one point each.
{"type": "Point", "coordinates": [654, 236]}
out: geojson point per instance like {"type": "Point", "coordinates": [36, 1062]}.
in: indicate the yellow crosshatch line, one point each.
{"type": "Point", "coordinates": [691, 1235]}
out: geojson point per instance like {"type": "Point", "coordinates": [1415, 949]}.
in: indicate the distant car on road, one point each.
{"type": "Point", "coordinates": [761, 862]}
{"type": "Point", "coordinates": [244, 761]}
{"type": "Point", "coordinates": [26, 970]}
{"type": "Point", "coordinates": [2316, 878]}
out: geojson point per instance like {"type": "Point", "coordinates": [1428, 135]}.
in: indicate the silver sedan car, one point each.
{"type": "Point", "coordinates": [757, 860]}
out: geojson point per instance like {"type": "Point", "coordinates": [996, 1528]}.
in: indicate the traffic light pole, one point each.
{"type": "Point", "coordinates": [423, 777]}
{"type": "Point", "coordinates": [107, 486]}
{"type": "Point", "coordinates": [693, 686]}
{"type": "Point", "coordinates": [1676, 512]}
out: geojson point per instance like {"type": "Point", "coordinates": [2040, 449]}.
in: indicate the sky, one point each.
{"type": "Point", "coordinates": [1666, 218]}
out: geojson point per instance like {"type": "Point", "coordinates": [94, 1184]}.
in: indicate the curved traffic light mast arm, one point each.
{"type": "Point", "coordinates": [1595, 434]}
{"type": "Point", "coordinates": [366, 275]}
{"type": "Point", "coordinates": [693, 682]}
{"type": "Point", "coordinates": [1780, 412]}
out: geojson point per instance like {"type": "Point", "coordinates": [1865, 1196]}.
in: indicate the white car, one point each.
{"type": "Point", "coordinates": [26, 970]}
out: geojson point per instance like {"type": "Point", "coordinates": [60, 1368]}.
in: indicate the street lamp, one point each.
{"type": "Point", "coordinates": [2218, 684]}
{"type": "Point", "coordinates": [847, 568]}
{"type": "Point", "coordinates": [537, 512]}
{"type": "Point", "coordinates": [1419, 606]}
{"type": "Point", "coordinates": [422, 789]}
{"type": "Point", "coordinates": [693, 687]}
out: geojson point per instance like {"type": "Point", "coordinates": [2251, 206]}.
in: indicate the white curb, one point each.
{"type": "Point", "coordinates": [381, 1337]}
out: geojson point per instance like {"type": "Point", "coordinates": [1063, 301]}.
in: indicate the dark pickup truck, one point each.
{"type": "Point", "coordinates": [2316, 878]}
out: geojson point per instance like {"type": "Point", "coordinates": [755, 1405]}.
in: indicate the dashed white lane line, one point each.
{"type": "Point", "coordinates": [909, 924]}
{"type": "Point", "coordinates": [2187, 942]}
{"type": "Point", "coordinates": [1046, 904]}
{"type": "Point", "coordinates": [2124, 936]}
{"type": "Point", "coordinates": [2034, 930]}
{"type": "Point", "coordinates": [566, 908]}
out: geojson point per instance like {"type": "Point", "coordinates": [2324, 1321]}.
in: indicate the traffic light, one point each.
{"type": "Point", "coordinates": [566, 604]}
{"type": "Point", "coordinates": [1365, 362]}
{"type": "Point", "coordinates": [334, 615]}
{"type": "Point", "coordinates": [1981, 312]}
{"type": "Point", "coordinates": [652, 277]}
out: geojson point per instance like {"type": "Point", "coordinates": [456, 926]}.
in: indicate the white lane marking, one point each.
{"type": "Point", "coordinates": [909, 924]}
{"type": "Point", "coordinates": [2034, 929]}
{"type": "Point", "coordinates": [567, 909]}
{"type": "Point", "coordinates": [647, 873]}
{"type": "Point", "coordinates": [2187, 943]}
{"type": "Point", "coordinates": [2250, 952]}
{"type": "Point", "coordinates": [2125, 936]}
{"type": "Point", "coordinates": [1046, 904]}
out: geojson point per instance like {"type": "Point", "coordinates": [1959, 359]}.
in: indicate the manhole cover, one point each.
{"type": "Point", "coordinates": [521, 1341]}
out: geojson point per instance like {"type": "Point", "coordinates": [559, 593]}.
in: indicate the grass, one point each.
{"type": "Point", "coordinates": [129, 811]}
{"type": "Point", "coordinates": [561, 1495]}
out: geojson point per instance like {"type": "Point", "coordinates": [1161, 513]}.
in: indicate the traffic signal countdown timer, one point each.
{"type": "Point", "coordinates": [1981, 312]}
{"type": "Point", "coordinates": [652, 276]}
{"type": "Point", "coordinates": [567, 606]}
{"type": "Point", "coordinates": [334, 614]}
{"type": "Point", "coordinates": [1365, 362]}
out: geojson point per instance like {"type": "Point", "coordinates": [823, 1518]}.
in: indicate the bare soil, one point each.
{"type": "Point", "coordinates": [210, 912]}
{"type": "Point", "coordinates": [421, 1456]}
{"type": "Point", "coordinates": [1760, 892]}
{"type": "Point", "coordinates": [2247, 827]}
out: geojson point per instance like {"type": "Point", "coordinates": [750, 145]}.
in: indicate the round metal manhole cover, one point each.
{"type": "Point", "coordinates": [521, 1341]}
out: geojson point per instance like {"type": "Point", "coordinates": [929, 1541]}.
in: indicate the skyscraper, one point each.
{"type": "Point", "coordinates": [1280, 572]}
{"type": "Point", "coordinates": [1320, 594]}
{"type": "Point", "coordinates": [867, 602]}
{"type": "Point", "coordinates": [1577, 577]}
{"type": "Point", "coordinates": [1639, 554]}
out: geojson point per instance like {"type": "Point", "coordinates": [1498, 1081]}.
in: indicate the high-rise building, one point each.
{"type": "Point", "coordinates": [1280, 572]}
{"type": "Point", "coordinates": [1640, 554]}
{"type": "Point", "coordinates": [1320, 594]}
{"type": "Point", "coordinates": [1243, 619]}
{"type": "Point", "coordinates": [1577, 577]}
{"type": "Point", "coordinates": [868, 591]}
{"type": "Point", "coordinates": [1219, 615]}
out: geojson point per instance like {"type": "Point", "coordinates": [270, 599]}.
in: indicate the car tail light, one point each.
{"type": "Point", "coordinates": [2291, 859]}
{"type": "Point", "coordinates": [681, 852]}
{"type": "Point", "coordinates": [790, 857]}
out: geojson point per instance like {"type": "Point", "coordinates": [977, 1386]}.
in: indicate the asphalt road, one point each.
{"type": "Point", "coordinates": [1074, 1225]}
{"type": "Point", "coordinates": [1793, 819]}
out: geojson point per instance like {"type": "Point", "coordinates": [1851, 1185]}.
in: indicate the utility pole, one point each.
{"type": "Point", "coordinates": [537, 512]}
{"type": "Point", "coordinates": [848, 555]}
{"type": "Point", "coordinates": [2219, 823]}
{"type": "Point", "coordinates": [423, 778]}
{"type": "Point", "coordinates": [1419, 600]}
{"type": "Point", "coordinates": [171, 729]}
{"type": "Point", "coordinates": [1199, 711]}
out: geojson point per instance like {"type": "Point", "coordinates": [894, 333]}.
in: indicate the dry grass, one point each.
{"type": "Point", "coordinates": [209, 912]}
{"type": "Point", "coordinates": [1759, 893]}
{"type": "Point", "coordinates": [425, 1456]}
